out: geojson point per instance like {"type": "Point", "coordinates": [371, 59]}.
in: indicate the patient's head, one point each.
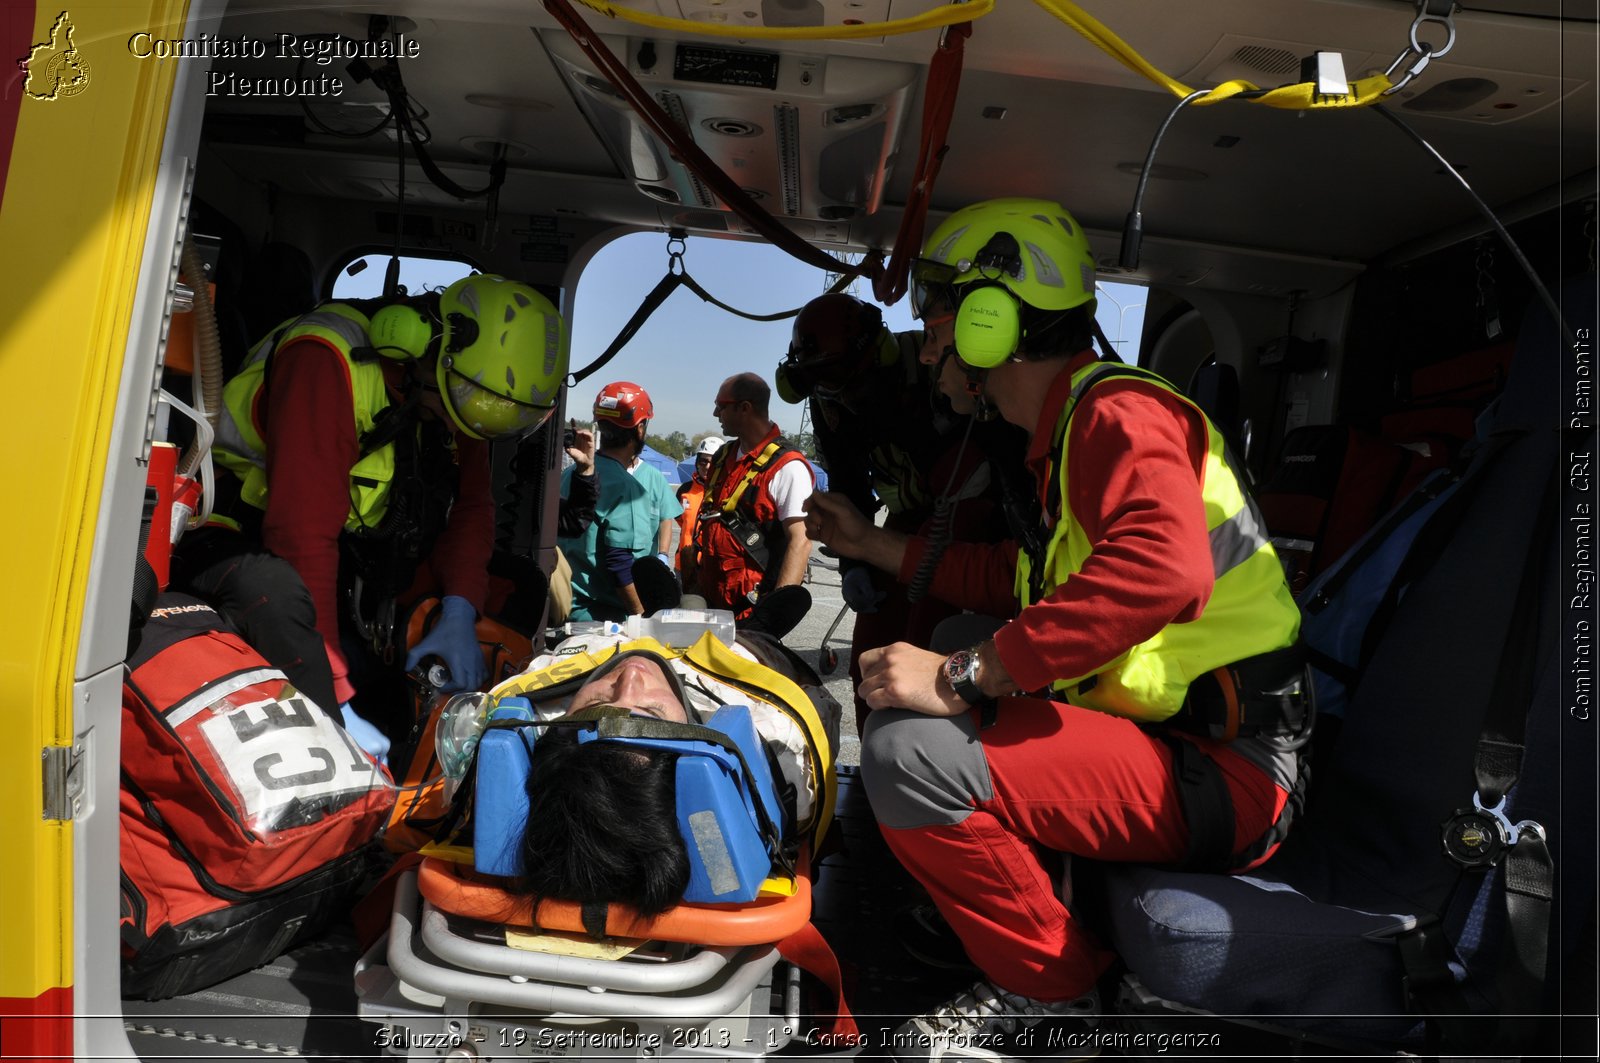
{"type": "Point", "coordinates": [602, 816]}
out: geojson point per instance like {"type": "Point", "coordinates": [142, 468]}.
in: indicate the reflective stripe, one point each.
{"type": "Point", "coordinates": [350, 331]}
{"type": "Point", "coordinates": [181, 713]}
{"type": "Point", "coordinates": [1235, 541]}
{"type": "Point", "coordinates": [1249, 610]}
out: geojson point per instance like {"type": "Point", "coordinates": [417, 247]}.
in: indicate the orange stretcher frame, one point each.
{"type": "Point", "coordinates": [458, 890]}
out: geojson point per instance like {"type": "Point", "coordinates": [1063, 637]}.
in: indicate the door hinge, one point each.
{"type": "Point", "coordinates": [63, 781]}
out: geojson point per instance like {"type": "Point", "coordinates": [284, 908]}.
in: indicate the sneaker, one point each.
{"type": "Point", "coordinates": [987, 1023]}
{"type": "Point", "coordinates": [924, 934]}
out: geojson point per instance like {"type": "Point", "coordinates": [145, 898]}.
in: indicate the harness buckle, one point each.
{"type": "Point", "coordinates": [1478, 838]}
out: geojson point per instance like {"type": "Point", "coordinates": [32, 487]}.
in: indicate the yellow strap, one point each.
{"type": "Point", "coordinates": [1301, 97]}
{"type": "Point", "coordinates": [757, 467]}
{"type": "Point", "coordinates": [938, 18]}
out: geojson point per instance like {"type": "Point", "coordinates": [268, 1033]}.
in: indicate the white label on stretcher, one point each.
{"type": "Point", "coordinates": [714, 855]}
{"type": "Point", "coordinates": [280, 751]}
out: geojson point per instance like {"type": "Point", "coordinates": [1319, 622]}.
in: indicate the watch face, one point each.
{"type": "Point", "coordinates": [961, 672]}
{"type": "Point", "coordinates": [959, 666]}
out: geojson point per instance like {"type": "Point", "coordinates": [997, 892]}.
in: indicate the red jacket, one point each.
{"type": "Point", "coordinates": [311, 445]}
{"type": "Point", "coordinates": [1136, 457]}
{"type": "Point", "coordinates": [727, 573]}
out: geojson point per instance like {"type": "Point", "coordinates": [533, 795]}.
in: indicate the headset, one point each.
{"type": "Point", "coordinates": [989, 326]}
{"type": "Point", "coordinates": [402, 332]}
{"type": "Point", "coordinates": [797, 379]}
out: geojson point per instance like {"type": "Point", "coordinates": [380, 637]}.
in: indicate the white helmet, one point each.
{"type": "Point", "coordinates": [708, 446]}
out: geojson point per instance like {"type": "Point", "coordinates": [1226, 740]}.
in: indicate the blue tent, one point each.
{"type": "Point", "coordinates": [686, 470]}
{"type": "Point", "coordinates": [668, 467]}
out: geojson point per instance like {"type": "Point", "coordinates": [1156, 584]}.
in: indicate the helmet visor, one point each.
{"type": "Point", "coordinates": [931, 283]}
{"type": "Point", "coordinates": [486, 415]}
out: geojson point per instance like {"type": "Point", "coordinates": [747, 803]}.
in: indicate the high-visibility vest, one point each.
{"type": "Point", "coordinates": [1250, 610]}
{"type": "Point", "coordinates": [737, 487]}
{"type": "Point", "coordinates": [240, 446]}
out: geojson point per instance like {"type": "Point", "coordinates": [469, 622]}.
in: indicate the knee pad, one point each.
{"type": "Point", "coordinates": [922, 770]}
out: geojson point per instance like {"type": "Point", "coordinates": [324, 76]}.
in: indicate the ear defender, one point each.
{"type": "Point", "coordinates": [400, 332]}
{"type": "Point", "coordinates": [988, 326]}
{"type": "Point", "coordinates": [787, 387]}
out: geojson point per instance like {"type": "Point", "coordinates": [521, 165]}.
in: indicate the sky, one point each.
{"type": "Point", "coordinates": [688, 346]}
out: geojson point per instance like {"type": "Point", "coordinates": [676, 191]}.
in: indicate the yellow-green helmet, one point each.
{"type": "Point", "coordinates": [1046, 264]}
{"type": "Point", "coordinates": [503, 357]}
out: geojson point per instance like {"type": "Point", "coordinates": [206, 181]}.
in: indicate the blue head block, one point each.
{"type": "Point", "coordinates": [500, 799]}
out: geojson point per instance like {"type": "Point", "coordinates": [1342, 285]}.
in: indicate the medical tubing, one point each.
{"type": "Point", "coordinates": [939, 525]}
{"type": "Point", "coordinates": [1133, 227]}
{"type": "Point", "coordinates": [1483, 208]}
{"type": "Point", "coordinates": [208, 355]}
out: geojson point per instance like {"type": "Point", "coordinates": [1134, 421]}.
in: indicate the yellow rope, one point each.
{"type": "Point", "coordinates": [938, 18]}
{"type": "Point", "coordinates": [1299, 97]}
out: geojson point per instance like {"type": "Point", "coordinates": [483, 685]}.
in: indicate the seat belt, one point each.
{"type": "Point", "coordinates": [1482, 837]}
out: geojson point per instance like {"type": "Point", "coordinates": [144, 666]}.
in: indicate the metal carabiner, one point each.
{"type": "Point", "coordinates": [1498, 814]}
{"type": "Point", "coordinates": [1419, 53]}
{"type": "Point", "coordinates": [676, 246]}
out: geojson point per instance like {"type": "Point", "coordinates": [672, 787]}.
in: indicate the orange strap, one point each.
{"type": "Point", "coordinates": [808, 950]}
{"type": "Point", "coordinates": [461, 891]}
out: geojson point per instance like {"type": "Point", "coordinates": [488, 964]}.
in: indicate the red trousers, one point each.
{"type": "Point", "coordinates": [971, 812]}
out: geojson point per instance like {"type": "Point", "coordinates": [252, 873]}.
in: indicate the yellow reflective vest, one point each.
{"type": "Point", "coordinates": [1250, 610]}
{"type": "Point", "coordinates": [240, 447]}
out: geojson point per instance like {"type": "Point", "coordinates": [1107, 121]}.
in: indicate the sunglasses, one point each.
{"type": "Point", "coordinates": [931, 284]}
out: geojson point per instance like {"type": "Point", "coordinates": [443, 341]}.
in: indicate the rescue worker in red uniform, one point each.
{"type": "Point", "coordinates": [1155, 625]}
{"type": "Point", "coordinates": [357, 435]}
{"type": "Point", "coordinates": [751, 538]}
{"type": "Point", "coordinates": [690, 497]}
{"type": "Point", "coordinates": [890, 440]}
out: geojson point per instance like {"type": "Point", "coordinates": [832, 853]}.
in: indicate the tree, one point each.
{"type": "Point", "coordinates": [674, 446]}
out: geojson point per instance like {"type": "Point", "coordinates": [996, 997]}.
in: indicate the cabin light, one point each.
{"type": "Point", "coordinates": [507, 103]}
{"type": "Point", "coordinates": [1162, 172]}
{"type": "Point", "coordinates": [488, 146]}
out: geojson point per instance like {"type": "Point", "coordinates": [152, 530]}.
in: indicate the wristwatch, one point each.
{"type": "Point", "coordinates": [961, 672]}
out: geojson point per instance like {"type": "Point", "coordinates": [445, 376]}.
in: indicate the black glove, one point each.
{"type": "Point", "coordinates": [777, 612]}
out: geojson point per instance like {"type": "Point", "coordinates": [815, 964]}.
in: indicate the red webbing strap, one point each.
{"type": "Point", "coordinates": [688, 152]}
{"type": "Point", "coordinates": [938, 105]}
{"type": "Point", "coordinates": [808, 950]}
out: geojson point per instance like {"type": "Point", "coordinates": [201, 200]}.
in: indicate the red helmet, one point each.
{"type": "Point", "coordinates": [835, 340]}
{"type": "Point", "coordinates": [624, 404]}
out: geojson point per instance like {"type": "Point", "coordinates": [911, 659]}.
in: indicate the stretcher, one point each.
{"type": "Point", "coordinates": [696, 982]}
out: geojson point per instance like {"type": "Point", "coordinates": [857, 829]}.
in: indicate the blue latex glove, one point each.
{"type": "Point", "coordinates": [367, 736]}
{"type": "Point", "coordinates": [454, 640]}
{"type": "Point", "coordinates": [665, 559]}
{"type": "Point", "coordinates": [859, 593]}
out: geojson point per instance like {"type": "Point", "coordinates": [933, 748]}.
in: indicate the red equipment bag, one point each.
{"type": "Point", "coordinates": [247, 813]}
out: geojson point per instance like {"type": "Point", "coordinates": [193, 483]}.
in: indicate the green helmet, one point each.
{"type": "Point", "coordinates": [503, 358]}
{"type": "Point", "coordinates": [1031, 247]}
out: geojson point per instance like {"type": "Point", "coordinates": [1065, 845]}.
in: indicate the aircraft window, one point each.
{"type": "Point", "coordinates": [1120, 311]}
{"type": "Point", "coordinates": [362, 277]}
{"type": "Point", "coordinates": [686, 332]}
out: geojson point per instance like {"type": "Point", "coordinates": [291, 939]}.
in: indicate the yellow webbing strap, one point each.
{"type": "Point", "coordinates": [757, 467]}
{"type": "Point", "coordinates": [1301, 97]}
{"type": "Point", "coordinates": [714, 659]}
{"type": "Point", "coordinates": [938, 18]}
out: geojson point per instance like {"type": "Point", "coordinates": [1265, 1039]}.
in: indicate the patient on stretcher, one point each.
{"type": "Point", "coordinates": [628, 773]}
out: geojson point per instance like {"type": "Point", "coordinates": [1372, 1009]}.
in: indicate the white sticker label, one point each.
{"type": "Point", "coordinates": [280, 751]}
